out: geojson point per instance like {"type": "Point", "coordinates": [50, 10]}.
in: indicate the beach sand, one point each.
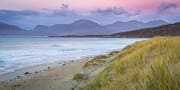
{"type": "Point", "coordinates": [54, 77]}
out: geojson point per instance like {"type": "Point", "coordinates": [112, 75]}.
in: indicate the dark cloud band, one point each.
{"type": "Point", "coordinates": [165, 6]}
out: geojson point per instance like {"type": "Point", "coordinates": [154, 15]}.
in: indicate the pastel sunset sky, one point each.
{"type": "Point", "coordinates": [29, 13]}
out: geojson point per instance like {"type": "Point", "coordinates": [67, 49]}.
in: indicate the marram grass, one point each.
{"type": "Point", "coordinates": [146, 65]}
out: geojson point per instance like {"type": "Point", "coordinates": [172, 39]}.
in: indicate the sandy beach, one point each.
{"type": "Point", "coordinates": [52, 76]}
{"type": "Point", "coordinates": [55, 76]}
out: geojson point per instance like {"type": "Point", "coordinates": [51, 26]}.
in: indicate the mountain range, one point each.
{"type": "Point", "coordinates": [133, 25]}
{"type": "Point", "coordinates": [79, 27]}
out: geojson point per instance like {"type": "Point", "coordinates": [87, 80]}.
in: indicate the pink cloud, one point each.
{"type": "Point", "coordinates": [84, 5]}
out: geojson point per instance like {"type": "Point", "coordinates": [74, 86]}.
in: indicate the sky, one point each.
{"type": "Point", "coordinates": [29, 13]}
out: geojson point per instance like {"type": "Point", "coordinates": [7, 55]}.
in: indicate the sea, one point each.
{"type": "Point", "coordinates": [18, 52]}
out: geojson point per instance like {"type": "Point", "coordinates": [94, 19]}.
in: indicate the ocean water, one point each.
{"type": "Point", "coordinates": [22, 51]}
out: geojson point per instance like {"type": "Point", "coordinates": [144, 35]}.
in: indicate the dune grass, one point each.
{"type": "Point", "coordinates": [146, 65]}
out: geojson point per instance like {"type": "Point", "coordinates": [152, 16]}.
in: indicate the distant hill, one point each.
{"type": "Point", "coordinates": [10, 29]}
{"type": "Point", "coordinates": [164, 30]}
{"type": "Point", "coordinates": [133, 25]}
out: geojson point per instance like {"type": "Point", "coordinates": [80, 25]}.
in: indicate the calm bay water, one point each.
{"type": "Point", "coordinates": [23, 51]}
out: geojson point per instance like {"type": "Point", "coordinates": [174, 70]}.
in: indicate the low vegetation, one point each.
{"type": "Point", "coordinates": [146, 65]}
{"type": "Point", "coordinates": [79, 76]}
{"type": "Point", "coordinates": [99, 59]}
{"type": "Point", "coordinates": [95, 61]}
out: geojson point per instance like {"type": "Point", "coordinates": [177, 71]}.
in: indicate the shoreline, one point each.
{"type": "Point", "coordinates": [35, 69]}
{"type": "Point", "coordinates": [51, 76]}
